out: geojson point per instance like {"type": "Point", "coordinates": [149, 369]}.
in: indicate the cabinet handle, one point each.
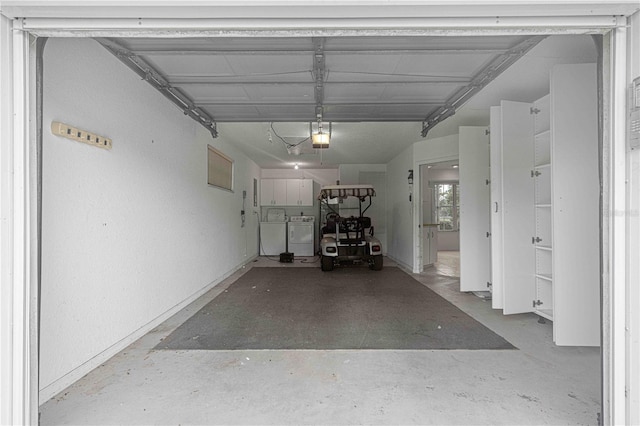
{"type": "Point", "coordinates": [496, 203]}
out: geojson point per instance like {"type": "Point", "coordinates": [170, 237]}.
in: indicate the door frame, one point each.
{"type": "Point", "coordinates": [19, 197]}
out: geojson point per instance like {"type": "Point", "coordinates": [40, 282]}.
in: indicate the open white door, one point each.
{"type": "Point", "coordinates": [475, 223]}
{"type": "Point", "coordinates": [576, 187]}
{"type": "Point", "coordinates": [495, 154]}
{"type": "Point", "coordinates": [518, 213]}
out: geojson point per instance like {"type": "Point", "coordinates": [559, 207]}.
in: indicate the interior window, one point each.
{"type": "Point", "coordinates": [447, 202]}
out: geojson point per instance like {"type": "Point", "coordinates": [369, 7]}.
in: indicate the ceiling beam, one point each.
{"type": "Point", "coordinates": [286, 118]}
{"type": "Point", "coordinates": [160, 83]}
{"type": "Point", "coordinates": [354, 51]}
{"type": "Point", "coordinates": [499, 64]}
{"type": "Point", "coordinates": [325, 105]}
{"type": "Point", "coordinates": [186, 81]}
{"type": "Point", "coordinates": [318, 75]}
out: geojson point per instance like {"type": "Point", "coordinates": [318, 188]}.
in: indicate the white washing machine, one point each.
{"type": "Point", "coordinates": [273, 233]}
{"type": "Point", "coordinates": [301, 231]}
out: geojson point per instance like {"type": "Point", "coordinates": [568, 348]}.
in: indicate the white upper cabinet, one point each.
{"type": "Point", "coordinates": [286, 192]}
{"type": "Point", "coordinates": [273, 192]}
{"type": "Point", "coordinates": [299, 192]}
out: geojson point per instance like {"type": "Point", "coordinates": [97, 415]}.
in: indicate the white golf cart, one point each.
{"type": "Point", "coordinates": [346, 238]}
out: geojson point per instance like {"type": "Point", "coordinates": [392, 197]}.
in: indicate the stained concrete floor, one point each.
{"type": "Point", "coordinates": [538, 384]}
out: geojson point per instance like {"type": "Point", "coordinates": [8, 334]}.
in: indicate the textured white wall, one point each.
{"type": "Point", "coordinates": [130, 233]}
{"type": "Point", "coordinates": [400, 212]}
{"type": "Point", "coordinates": [399, 209]}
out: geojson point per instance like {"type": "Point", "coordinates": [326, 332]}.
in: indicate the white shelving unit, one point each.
{"type": "Point", "coordinates": [545, 206]}
{"type": "Point", "coordinates": [542, 240]}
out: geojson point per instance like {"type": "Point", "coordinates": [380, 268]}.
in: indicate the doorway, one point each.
{"type": "Point", "coordinates": [440, 214]}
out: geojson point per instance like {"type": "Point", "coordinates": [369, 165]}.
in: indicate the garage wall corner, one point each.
{"type": "Point", "coordinates": [130, 234]}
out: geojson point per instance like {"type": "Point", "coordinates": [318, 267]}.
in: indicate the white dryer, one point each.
{"type": "Point", "coordinates": [301, 235]}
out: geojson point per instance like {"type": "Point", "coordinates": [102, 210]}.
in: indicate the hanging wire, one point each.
{"type": "Point", "coordinates": [288, 144]}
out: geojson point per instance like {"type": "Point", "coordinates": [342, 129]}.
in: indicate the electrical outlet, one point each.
{"type": "Point", "coordinates": [79, 135]}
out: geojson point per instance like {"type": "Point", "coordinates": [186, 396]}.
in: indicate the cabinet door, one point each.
{"type": "Point", "coordinates": [266, 192]}
{"type": "Point", "coordinates": [293, 192]}
{"type": "Point", "coordinates": [518, 211]}
{"type": "Point", "coordinates": [306, 192]}
{"type": "Point", "coordinates": [433, 249]}
{"type": "Point", "coordinates": [475, 224]}
{"type": "Point", "coordinates": [280, 192]}
{"type": "Point", "coordinates": [576, 266]}
{"type": "Point", "coordinates": [495, 160]}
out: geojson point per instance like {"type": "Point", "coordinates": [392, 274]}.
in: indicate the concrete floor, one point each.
{"type": "Point", "coordinates": [538, 384]}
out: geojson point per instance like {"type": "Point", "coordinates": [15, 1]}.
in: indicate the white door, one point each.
{"type": "Point", "coordinates": [428, 254]}
{"type": "Point", "coordinates": [280, 192]}
{"type": "Point", "coordinates": [306, 192]}
{"type": "Point", "coordinates": [495, 160]}
{"type": "Point", "coordinates": [518, 217]}
{"type": "Point", "coordinates": [475, 223]}
{"type": "Point", "coordinates": [575, 205]}
{"type": "Point", "coordinates": [266, 192]}
{"type": "Point", "coordinates": [293, 192]}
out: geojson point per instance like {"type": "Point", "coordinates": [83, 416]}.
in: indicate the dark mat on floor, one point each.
{"type": "Point", "coordinates": [348, 308]}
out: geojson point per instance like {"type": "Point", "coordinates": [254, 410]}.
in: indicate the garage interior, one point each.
{"type": "Point", "coordinates": [151, 207]}
{"type": "Point", "coordinates": [135, 242]}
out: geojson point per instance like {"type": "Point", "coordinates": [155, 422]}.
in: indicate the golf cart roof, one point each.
{"type": "Point", "coordinates": [344, 191]}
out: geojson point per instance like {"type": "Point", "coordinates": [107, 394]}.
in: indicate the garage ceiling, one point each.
{"type": "Point", "coordinates": [380, 94]}
{"type": "Point", "coordinates": [341, 79]}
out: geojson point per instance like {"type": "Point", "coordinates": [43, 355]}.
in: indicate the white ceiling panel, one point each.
{"type": "Point", "coordinates": [271, 63]}
{"type": "Point", "coordinates": [216, 93]}
{"type": "Point", "coordinates": [186, 65]}
{"type": "Point", "coordinates": [384, 88]}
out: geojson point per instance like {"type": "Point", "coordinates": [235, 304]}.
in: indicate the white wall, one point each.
{"type": "Point", "coordinates": [400, 210]}
{"type": "Point", "coordinates": [350, 173]}
{"type": "Point", "coordinates": [403, 217]}
{"type": "Point", "coordinates": [633, 290]}
{"type": "Point", "coordinates": [131, 234]}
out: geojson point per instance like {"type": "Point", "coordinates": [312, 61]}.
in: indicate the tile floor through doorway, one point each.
{"type": "Point", "coordinates": [538, 384]}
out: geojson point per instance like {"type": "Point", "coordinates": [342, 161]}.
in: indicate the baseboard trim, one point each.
{"type": "Point", "coordinates": [77, 373]}
{"type": "Point", "coordinates": [401, 264]}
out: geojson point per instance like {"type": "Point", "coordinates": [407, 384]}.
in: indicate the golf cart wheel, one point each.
{"type": "Point", "coordinates": [326, 263]}
{"type": "Point", "coordinates": [376, 265]}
